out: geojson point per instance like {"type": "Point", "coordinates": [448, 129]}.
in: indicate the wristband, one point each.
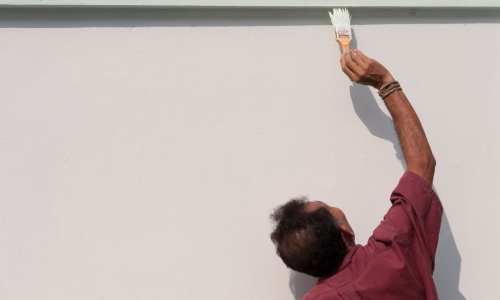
{"type": "Point", "coordinates": [393, 89]}
{"type": "Point", "coordinates": [385, 86]}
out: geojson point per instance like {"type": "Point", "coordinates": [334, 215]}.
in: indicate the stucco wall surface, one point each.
{"type": "Point", "coordinates": [142, 151]}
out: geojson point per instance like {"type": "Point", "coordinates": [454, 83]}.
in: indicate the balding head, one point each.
{"type": "Point", "coordinates": [308, 239]}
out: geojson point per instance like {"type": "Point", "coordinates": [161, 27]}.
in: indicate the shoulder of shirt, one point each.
{"type": "Point", "coordinates": [421, 183]}
{"type": "Point", "coordinates": [336, 282]}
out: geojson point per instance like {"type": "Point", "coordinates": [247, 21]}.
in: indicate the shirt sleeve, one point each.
{"type": "Point", "coordinates": [416, 213]}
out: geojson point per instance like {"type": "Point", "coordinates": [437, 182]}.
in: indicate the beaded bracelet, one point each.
{"type": "Point", "coordinates": [396, 88]}
{"type": "Point", "coordinates": [382, 89]}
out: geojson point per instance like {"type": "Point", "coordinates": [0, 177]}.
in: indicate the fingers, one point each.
{"type": "Point", "coordinates": [350, 63]}
{"type": "Point", "coordinates": [357, 58]}
{"type": "Point", "coordinates": [362, 55]}
{"type": "Point", "coordinates": [351, 66]}
{"type": "Point", "coordinates": [346, 70]}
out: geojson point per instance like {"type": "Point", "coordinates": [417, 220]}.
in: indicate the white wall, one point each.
{"type": "Point", "coordinates": [142, 151]}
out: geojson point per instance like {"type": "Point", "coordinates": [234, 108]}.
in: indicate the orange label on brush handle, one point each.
{"type": "Point", "coordinates": [344, 42]}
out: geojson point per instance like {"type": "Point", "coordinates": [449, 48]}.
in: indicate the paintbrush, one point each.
{"type": "Point", "coordinates": [341, 21]}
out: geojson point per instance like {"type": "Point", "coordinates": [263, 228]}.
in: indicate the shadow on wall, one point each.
{"type": "Point", "coordinates": [448, 260]}
{"type": "Point", "coordinates": [448, 264]}
{"type": "Point", "coordinates": [300, 284]}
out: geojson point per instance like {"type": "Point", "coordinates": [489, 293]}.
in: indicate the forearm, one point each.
{"type": "Point", "coordinates": [416, 149]}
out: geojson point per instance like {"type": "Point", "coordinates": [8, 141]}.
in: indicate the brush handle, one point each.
{"type": "Point", "coordinates": [344, 48]}
{"type": "Point", "coordinates": [344, 43]}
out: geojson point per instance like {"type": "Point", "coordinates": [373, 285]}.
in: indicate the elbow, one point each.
{"type": "Point", "coordinates": [428, 163]}
{"type": "Point", "coordinates": [424, 164]}
{"type": "Point", "coordinates": [432, 167]}
{"type": "Point", "coordinates": [431, 162]}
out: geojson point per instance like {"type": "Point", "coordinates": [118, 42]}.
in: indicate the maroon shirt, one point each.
{"type": "Point", "coordinates": [398, 261]}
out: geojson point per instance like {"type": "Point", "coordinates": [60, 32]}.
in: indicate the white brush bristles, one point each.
{"type": "Point", "coordinates": [340, 16]}
{"type": "Point", "coordinates": [341, 20]}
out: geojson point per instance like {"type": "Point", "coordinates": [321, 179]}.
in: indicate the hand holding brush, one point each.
{"type": "Point", "coordinates": [364, 70]}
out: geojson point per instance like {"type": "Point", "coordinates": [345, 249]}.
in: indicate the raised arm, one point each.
{"type": "Point", "coordinates": [416, 149]}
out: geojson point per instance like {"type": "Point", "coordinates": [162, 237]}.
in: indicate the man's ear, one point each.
{"type": "Point", "coordinates": [347, 236]}
{"type": "Point", "coordinates": [346, 233]}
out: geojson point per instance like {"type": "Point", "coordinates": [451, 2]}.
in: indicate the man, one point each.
{"type": "Point", "coordinates": [398, 260]}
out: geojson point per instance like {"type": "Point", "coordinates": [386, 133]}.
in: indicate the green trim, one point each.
{"type": "Point", "coordinates": [258, 3]}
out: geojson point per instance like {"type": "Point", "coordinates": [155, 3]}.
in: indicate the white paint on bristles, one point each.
{"type": "Point", "coordinates": [341, 20]}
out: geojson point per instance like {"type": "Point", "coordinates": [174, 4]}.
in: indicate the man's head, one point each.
{"type": "Point", "coordinates": [311, 237]}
